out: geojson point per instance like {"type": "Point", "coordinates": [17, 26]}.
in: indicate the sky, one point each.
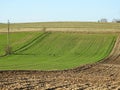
{"type": "Point", "coordinates": [58, 10]}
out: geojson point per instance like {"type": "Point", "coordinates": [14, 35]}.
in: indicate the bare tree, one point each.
{"type": "Point", "coordinates": [44, 29]}
{"type": "Point", "coordinates": [104, 20]}
{"type": "Point", "coordinates": [116, 20]}
{"type": "Point", "coordinates": [8, 48]}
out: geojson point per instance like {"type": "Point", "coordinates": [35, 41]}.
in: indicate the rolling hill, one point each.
{"type": "Point", "coordinates": [56, 50]}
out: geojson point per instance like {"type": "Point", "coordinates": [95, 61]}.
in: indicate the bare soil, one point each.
{"type": "Point", "coordinates": [103, 75]}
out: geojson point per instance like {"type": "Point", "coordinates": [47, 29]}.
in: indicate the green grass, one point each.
{"type": "Point", "coordinates": [17, 40]}
{"type": "Point", "coordinates": [57, 50]}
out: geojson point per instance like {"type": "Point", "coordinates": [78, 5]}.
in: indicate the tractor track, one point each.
{"type": "Point", "coordinates": [103, 75]}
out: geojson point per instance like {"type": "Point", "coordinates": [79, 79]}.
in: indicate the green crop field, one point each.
{"type": "Point", "coordinates": [16, 40]}
{"type": "Point", "coordinates": [54, 50]}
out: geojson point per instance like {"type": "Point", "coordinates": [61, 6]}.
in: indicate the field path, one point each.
{"type": "Point", "coordinates": [104, 75]}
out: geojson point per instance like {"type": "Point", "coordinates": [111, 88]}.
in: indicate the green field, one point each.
{"type": "Point", "coordinates": [54, 50]}
{"type": "Point", "coordinates": [16, 40]}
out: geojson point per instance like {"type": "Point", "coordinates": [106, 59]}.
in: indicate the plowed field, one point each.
{"type": "Point", "coordinates": [104, 75]}
{"type": "Point", "coordinates": [101, 75]}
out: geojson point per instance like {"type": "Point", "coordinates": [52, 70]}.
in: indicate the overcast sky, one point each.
{"type": "Point", "coordinates": [58, 10]}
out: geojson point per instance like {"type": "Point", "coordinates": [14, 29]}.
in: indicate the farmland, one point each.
{"type": "Point", "coordinates": [63, 26]}
{"type": "Point", "coordinates": [50, 50]}
{"type": "Point", "coordinates": [80, 56]}
{"type": "Point", "coordinates": [16, 40]}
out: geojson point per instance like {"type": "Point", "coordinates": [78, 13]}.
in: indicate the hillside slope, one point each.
{"type": "Point", "coordinates": [58, 51]}
{"type": "Point", "coordinates": [104, 75]}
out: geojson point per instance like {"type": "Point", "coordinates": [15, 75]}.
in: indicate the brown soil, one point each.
{"type": "Point", "coordinates": [104, 75]}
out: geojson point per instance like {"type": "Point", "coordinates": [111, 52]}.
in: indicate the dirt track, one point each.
{"type": "Point", "coordinates": [104, 75]}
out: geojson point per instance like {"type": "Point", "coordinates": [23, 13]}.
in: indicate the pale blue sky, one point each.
{"type": "Point", "coordinates": [58, 10]}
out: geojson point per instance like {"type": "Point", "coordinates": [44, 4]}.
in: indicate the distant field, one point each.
{"type": "Point", "coordinates": [63, 26]}
{"type": "Point", "coordinates": [54, 50]}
